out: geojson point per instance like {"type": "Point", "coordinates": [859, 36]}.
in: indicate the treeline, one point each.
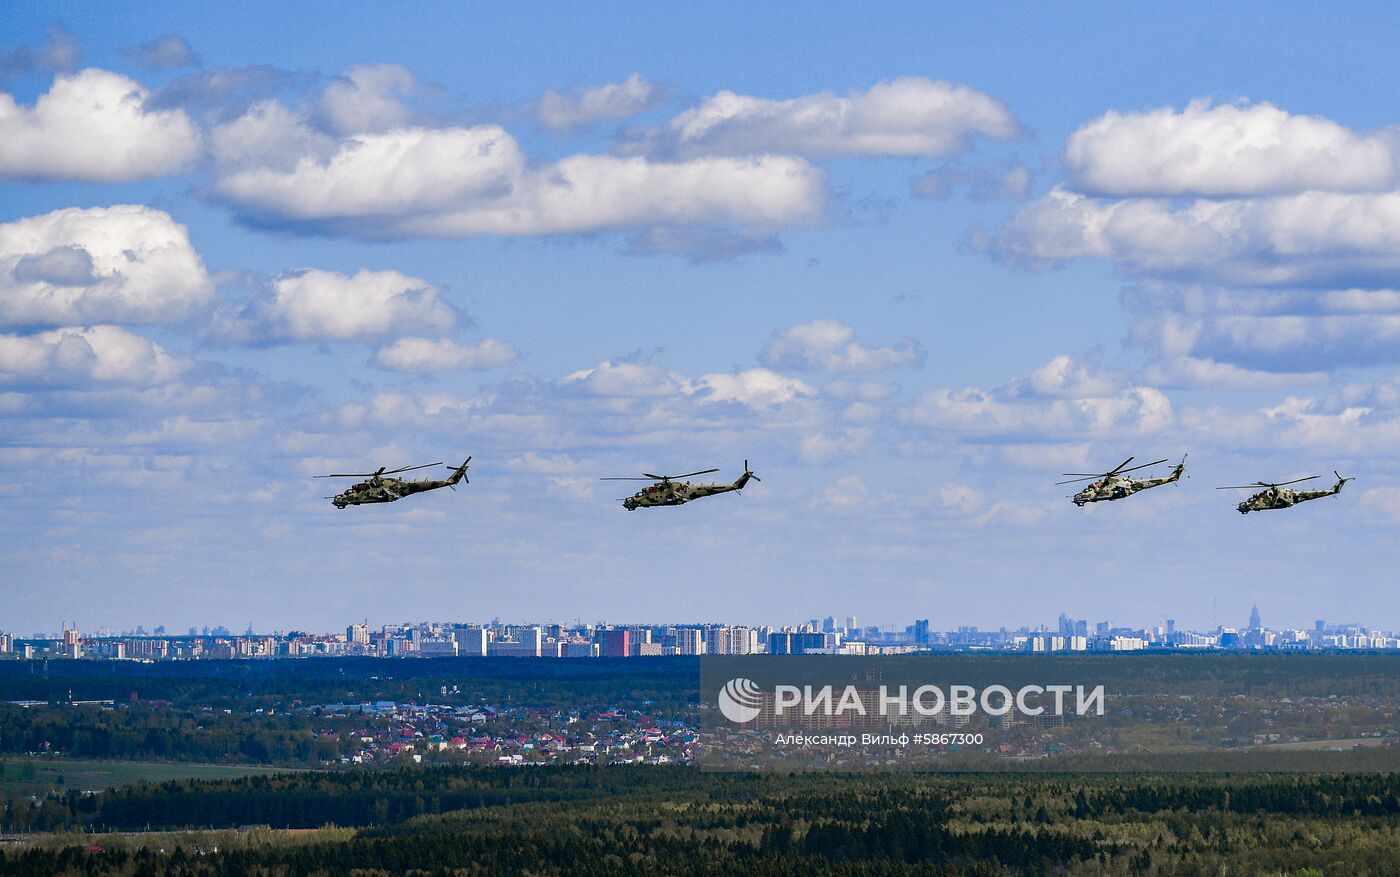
{"type": "Point", "coordinates": [361, 798]}
{"type": "Point", "coordinates": [346, 798]}
{"type": "Point", "coordinates": [677, 821]}
{"type": "Point", "coordinates": [665, 685]}
{"type": "Point", "coordinates": [179, 734]}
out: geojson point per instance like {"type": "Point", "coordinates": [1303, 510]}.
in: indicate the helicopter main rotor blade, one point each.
{"type": "Point", "coordinates": [375, 474]}
{"type": "Point", "coordinates": [701, 472]}
{"type": "Point", "coordinates": [1143, 466]}
{"type": "Point", "coordinates": [1112, 471]}
{"type": "Point", "coordinates": [1267, 484]}
{"type": "Point", "coordinates": [1119, 470]}
{"type": "Point", "coordinates": [410, 468]}
{"type": "Point", "coordinates": [1073, 480]}
{"type": "Point", "coordinates": [629, 478]}
{"type": "Point", "coordinates": [1115, 469]}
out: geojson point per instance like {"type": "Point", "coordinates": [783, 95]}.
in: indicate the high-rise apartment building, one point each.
{"type": "Point", "coordinates": [614, 643]}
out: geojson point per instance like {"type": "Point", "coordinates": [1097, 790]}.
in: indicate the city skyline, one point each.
{"type": "Point", "coordinates": [1068, 633]}
{"type": "Point", "coordinates": [911, 274]}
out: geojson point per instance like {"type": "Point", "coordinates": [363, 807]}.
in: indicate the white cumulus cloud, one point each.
{"type": "Point", "coordinates": [629, 380]}
{"type": "Point", "coordinates": [1191, 372]}
{"type": "Point", "coordinates": [93, 125]}
{"type": "Point", "coordinates": [318, 305]}
{"type": "Point", "coordinates": [464, 182]}
{"type": "Point", "coordinates": [910, 116]}
{"type": "Point", "coordinates": [1282, 331]}
{"type": "Point", "coordinates": [103, 354]}
{"type": "Point", "coordinates": [269, 135]}
{"type": "Point", "coordinates": [755, 387]}
{"type": "Point", "coordinates": [126, 263]}
{"type": "Point", "coordinates": [1064, 399]}
{"type": "Point", "coordinates": [367, 98]}
{"type": "Point", "coordinates": [830, 345]}
{"type": "Point", "coordinates": [423, 355]}
{"type": "Point", "coordinates": [1284, 240]}
{"type": "Point", "coordinates": [1069, 377]}
{"type": "Point", "coordinates": [599, 103]}
{"type": "Point", "coordinates": [1226, 149]}
{"type": "Point", "coordinates": [404, 172]}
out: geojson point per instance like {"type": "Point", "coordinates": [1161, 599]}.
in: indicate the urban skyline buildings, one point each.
{"type": "Point", "coordinates": [611, 640]}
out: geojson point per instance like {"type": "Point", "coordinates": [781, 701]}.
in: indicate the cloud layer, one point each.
{"type": "Point", "coordinates": [73, 356]}
{"type": "Point", "coordinates": [830, 345]}
{"type": "Point", "coordinates": [425, 355]}
{"type": "Point", "coordinates": [127, 263]}
{"type": "Point", "coordinates": [599, 103]}
{"type": "Point", "coordinates": [94, 126]}
{"type": "Point", "coordinates": [1226, 150]}
{"type": "Point", "coordinates": [317, 305]}
{"type": "Point", "coordinates": [910, 116]}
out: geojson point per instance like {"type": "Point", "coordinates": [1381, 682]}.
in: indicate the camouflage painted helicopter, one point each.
{"type": "Point", "coordinates": [1277, 496]}
{"type": "Point", "coordinates": [1113, 484]}
{"type": "Point", "coordinates": [380, 488]}
{"type": "Point", "coordinates": [668, 491]}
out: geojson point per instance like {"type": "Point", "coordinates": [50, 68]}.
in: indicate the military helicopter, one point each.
{"type": "Point", "coordinates": [668, 491]}
{"type": "Point", "coordinates": [1277, 496]}
{"type": "Point", "coordinates": [379, 488]}
{"type": "Point", "coordinates": [1113, 485]}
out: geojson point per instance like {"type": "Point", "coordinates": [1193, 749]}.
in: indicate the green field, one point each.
{"type": "Point", "coordinates": [25, 775]}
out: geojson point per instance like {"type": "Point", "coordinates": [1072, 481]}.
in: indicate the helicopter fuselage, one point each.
{"type": "Point", "coordinates": [383, 490]}
{"type": "Point", "coordinates": [379, 488]}
{"type": "Point", "coordinates": [1119, 487]}
{"type": "Point", "coordinates": [679, 492]}
{"type": "Point", "coordinates": [1283, 498]}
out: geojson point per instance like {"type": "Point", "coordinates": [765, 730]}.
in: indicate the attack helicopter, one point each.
{"type": "Point", "coordinates": [1114, 484]}
{"type": "Point", "coordinates": [378, 487]}
{"type": "Point", "coordinates": [668, 491]}
{"type": "Point", "coordinates": [1278, 496]}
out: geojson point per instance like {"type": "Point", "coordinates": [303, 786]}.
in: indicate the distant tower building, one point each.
{"type": "Point", "coordinates": [72, 642]}
{"type": "Point", "coordinates": [472, 641]}
{"type": "Point", "coordinates": [357, 634]}
{"type": "Point", "coordinates": [690, 641]}
{"type": "Point", "coordinates": [614, 643]}
{"type": "Point", "coordinates": [1254, 623]}
{"type": "Point", "coordinates": [851, 623]}
{"type": "Point", "coordinates": [921, 631]}
{"type": "Point", "coordinates": [1319, 625]}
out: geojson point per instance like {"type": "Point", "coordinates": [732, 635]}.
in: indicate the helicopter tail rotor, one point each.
{"type": "Point", "coordinates": [459, 473]}
{"type": "Point", "coordinates": [745, 479]}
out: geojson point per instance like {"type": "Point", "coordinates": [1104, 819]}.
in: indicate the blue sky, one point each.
{"type": "Point", "coordinates": [911, 265]}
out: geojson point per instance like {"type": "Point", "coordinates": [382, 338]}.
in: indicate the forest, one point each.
{"type": "Point", "coordinates": [450, 818]}
{"type": "Point", "coordinates": [659, 820]}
